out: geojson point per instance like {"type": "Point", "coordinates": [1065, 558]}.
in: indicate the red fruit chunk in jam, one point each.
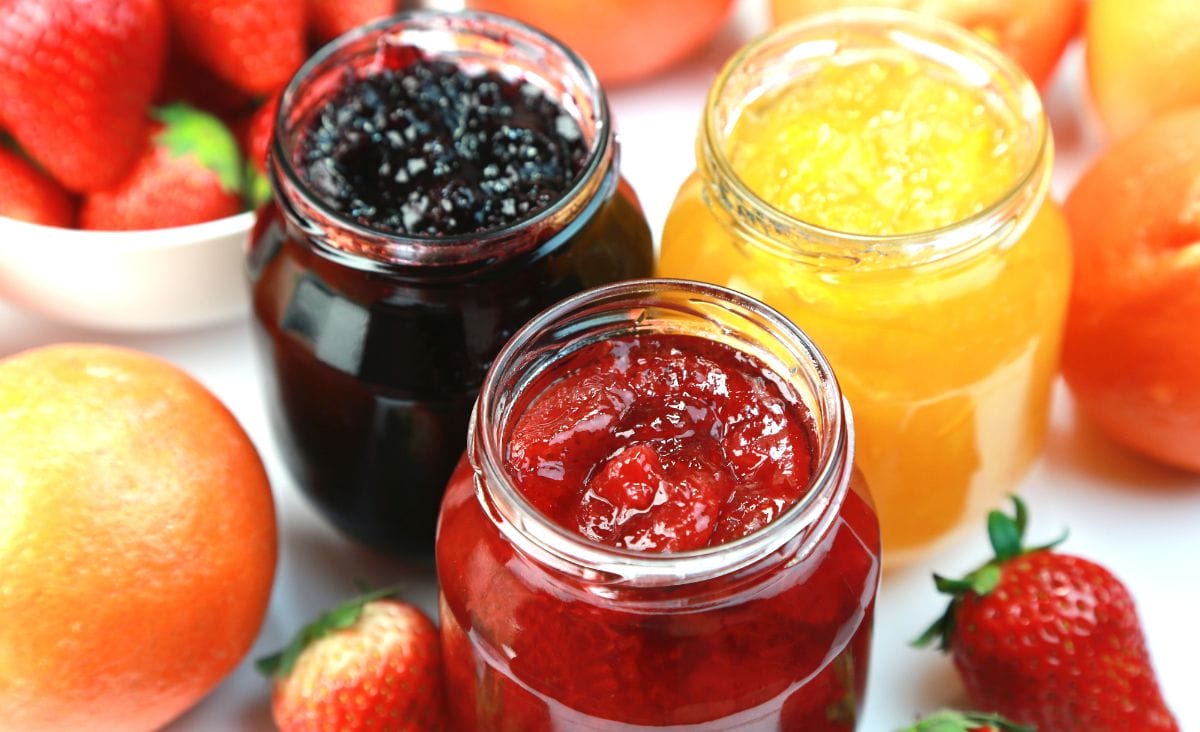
{"type": "Point", "coordinates": [662, 443]}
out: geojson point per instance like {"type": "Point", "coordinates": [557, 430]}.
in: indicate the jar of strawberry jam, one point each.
{"type": "Point", "coordinates": [881, 177]}
{"type": "Point", "coordinates": [438, 179]}
{"type": "Point", "coordinates": [658, 525]}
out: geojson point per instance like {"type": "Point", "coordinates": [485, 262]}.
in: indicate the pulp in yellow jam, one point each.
{"type": "Point", "coordinates": [879, 147]}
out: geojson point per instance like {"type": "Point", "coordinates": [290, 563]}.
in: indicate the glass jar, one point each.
{"type": "Point", "coordinates": [945, 340]}
{"type": "Point", "coordinates": [543, 629]}
{"type": "Point", "coordinates": [374, 345]}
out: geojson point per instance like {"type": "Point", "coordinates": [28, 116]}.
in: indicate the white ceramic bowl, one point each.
{"type": "Point", "coordinates": [165, 279]}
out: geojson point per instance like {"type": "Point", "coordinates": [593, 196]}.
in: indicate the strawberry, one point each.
{"type": "Point", "coordinates": [187, 80]}
{"type": "Point", "coordinates": [256, 143]}
{"type": "Point", "coordinates": [373, 663]}
{"type": "Point", "coordinates": [329, 19]}
{"type": "Point", "coordinates": [254, 44]}
{"type": "Point", "coordinates": [76, 77]}
{"type": "Point", "coordinates": [1049, 639]}
{"type": "Point", "coordinates": [955, 721]}
{"type": "Point", "coordinates": [189, 171]}
{"type": "Point", "coordinates": [28, 194]}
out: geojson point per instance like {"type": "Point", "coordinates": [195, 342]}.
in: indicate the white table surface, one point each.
{"type": "Point", "coordinates": [1140, 520]}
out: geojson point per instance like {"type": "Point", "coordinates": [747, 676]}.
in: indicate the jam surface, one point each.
{"type": "Point", "coordinates": [662, 442]}
{"type": "Point", "coordinates": [428, 149]}
{"type": "Point", "coordinates": [880, 147]}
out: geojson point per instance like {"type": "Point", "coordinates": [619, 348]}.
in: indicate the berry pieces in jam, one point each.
{"type": "Point", "coordinates": [663, 443]}
{"type": "Point", "coordinates": [428, 150]}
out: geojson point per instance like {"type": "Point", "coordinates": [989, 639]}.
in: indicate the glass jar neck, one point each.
{"type": "Point", "coordinates": [476, 42]}
{"type": "Point", "coordinates": [792, 52]}
{"type": "Point", "coordinates": [658, 306]}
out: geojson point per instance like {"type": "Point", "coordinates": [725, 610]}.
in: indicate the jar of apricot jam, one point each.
{"type": "Point", "coordinates": [658, 525]}
{"type": "Point", "coordinates": [438, 179]}
{"type": "Point", "coordinates": [881, 177]}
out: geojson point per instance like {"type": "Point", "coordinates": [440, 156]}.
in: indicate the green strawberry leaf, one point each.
{"type": "Point", "coordinates": [279, 665]}
{"type": "Point", "coordinates": [985, 579]}
{"type": "Point", "coordinates": [1004, 535]}
{"type": "Point", "coordinates": [188, 131]}
{"type": "Point", "coordinates": [1020, 515]}
{"type": "Point", "coordinates": [258, 187]}
{"type": "Point", "coordinates": [949, 720]}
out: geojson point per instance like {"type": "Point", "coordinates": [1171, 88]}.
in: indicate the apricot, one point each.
{"type": "Point", "coordinates": [1031, 32]}
{"type": "Point", "coordinates": [1143, 59]}
{"type": "Point", "coordinates": [1131, 352]}
{"type": "Point", "coordinates": [622, 40]}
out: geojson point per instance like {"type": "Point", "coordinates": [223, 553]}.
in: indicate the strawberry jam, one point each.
{"type": "Point", "coordinates": [657, 525]}
{"type": "Point", "coordinates": [663, 443]}
{"type": "Point", "coordinates": [438, 179]}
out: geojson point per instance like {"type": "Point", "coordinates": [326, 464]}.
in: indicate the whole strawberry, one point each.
{"type": "Point", "coordinates": [28, 194]}
{"type": "Point", "coordinates": [187, 80]}
{"type": "Point", "coordinates": [1049, 639]}
{"type": "Point", "coordinates": [329, 19]}
{"type": "Point", "coordinates": [950, 720]}
{"type": "Point", "coordinates": [189, 172]}
{"type": "Point", "coordinates": [76, 77]}
{"type": "Point", "coordinates": [371, 664]}
{"type": "Point", "coordinates": [254, 44]}
{"type": "Point", "coordinates": [256, 142]}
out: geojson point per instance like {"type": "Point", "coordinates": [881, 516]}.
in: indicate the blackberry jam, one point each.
{"type": "Point", "coordinates": [438, 179]}
{"type": "Point", "coordinates": [427, 149]}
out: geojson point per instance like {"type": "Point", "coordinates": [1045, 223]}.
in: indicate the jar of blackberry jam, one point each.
{"type": "Point", "coordinates": [658, 525]}
{"type": "Point", "coordinates": [438, 179]}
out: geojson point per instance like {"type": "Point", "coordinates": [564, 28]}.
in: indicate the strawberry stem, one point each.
{"type": "Point", "coordinates": [280, 664]}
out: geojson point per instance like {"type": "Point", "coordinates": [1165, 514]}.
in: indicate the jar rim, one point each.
{"type": "Point", "coordinates": [537, 534]}
{"type": "Point", "coordinates": [912, 31]}
{"type": "Point", "coordinates": [406, 249]}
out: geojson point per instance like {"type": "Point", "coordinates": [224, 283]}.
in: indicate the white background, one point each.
{"type": "Point", "coordinates": [1138, 519]}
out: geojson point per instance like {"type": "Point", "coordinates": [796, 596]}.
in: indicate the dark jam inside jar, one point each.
{"type": "Point", "coordinates": [438, 179]}
{"type": "Point", "coordinates": [662, 443]}
{"type": "Point", "coordinates": [426, 149]}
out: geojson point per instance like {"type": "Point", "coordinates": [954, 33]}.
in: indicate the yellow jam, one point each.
{"type": "Point", "coordinates": [946, 361]}
{"type": "Point", "coordinates": [882, 147]}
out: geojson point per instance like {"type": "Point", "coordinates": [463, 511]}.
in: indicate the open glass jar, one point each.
{"type": "Point", "coordinates": [375, 343]}
{"type": "Point", "coordinates": [937, 288]}
{"type": "Point", "coordinates": [545, 629]}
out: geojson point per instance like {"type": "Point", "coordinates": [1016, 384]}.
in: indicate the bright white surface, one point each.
{"type": "Point", "coordinates": [1138, 519]}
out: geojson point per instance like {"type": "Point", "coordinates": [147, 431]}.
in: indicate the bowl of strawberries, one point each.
{"type": "Point", "coordinates": [133, 135]}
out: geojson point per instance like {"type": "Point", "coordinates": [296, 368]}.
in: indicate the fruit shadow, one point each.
{"type": "Point", "coordinates": [1076, 446]}
{"type": "Point", "coordinates": [939, 687]}
{"type": "Point", "coordinates": [256, 715]}
{"type": "Point", "coordinates": [326, 568]}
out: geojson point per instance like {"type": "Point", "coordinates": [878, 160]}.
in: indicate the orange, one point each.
{"type": "Point", "coordinates": [1143, 59]}
{"type": "Point", "coordinates": [137, 540]}
{"type": "Point", "coordinates": [1031, 32]}
{"type": "Point", "coordinates": [1131, 354]}
{"type": "Point", "coordinates": [622, 40]}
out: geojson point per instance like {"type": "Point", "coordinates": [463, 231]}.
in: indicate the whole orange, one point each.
{"type": "Point", "coordinates": [622, 40]}
{"type": "Point", "coordinates": [1031, 32]}
{"type": "Point", "coordinates": [1143, 59]}
{"type": "Point", "coordinates": [1131, 354]}
{"type": "Point", "coordinates": [137, 540]}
